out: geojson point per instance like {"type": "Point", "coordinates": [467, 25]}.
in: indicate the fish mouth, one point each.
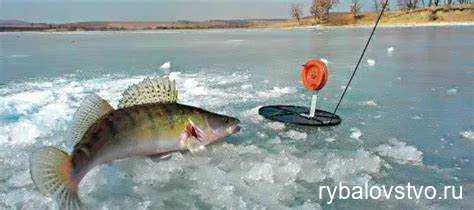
{"type": "Point", "coordinates": [233, 129]}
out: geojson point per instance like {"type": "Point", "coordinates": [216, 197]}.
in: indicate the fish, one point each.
{"type": "Point", "coordinates": [148, 122]}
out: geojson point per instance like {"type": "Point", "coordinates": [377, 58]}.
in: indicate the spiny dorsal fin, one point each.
{"type": "Point", "coordinates": [149, 91]}
{"type": "Point", "coordinates": [91, 109]}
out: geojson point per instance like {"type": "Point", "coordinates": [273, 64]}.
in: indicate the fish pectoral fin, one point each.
{"type": "Point", "coordinates": [161, 156]}
{"type": "Point", "coordinates": [189, 140]}
{"type": "Point", "coordinates": [194, 145]}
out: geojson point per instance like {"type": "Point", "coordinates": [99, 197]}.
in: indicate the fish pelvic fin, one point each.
{"type": "Point", "coordinates": [150, 91]}
{"type": "Point", "coordinates": [51, 170]}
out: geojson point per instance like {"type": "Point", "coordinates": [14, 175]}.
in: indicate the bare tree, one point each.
{"type": "Point", "coordinates": [436, 2]}
{"type": "Point", "coordinates": [296, 12]}
{"type": "Point", "coordinates": [320, 9]}
{"type": "Point", "coordinates": [383, 2]}
{"type": "Point", "coordinates": [355, 8]}
{"type": "Point", "coordinates": [376, 5]}
{"type": "Point", "coordinates": [408, 4]}
{"type": "Point", "coordinates": [464, 1]}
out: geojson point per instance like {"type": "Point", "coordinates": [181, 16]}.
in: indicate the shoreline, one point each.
{"type": "Point", "coordinates": [383, 25]}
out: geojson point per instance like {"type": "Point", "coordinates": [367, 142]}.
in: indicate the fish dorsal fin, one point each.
{"type": "Point", "coordinates": [92, 108]}
{"type": "Point", "coordinates": [149, 91]}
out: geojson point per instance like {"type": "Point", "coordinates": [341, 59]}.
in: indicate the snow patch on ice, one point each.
{"type": "Point", "coordinates": [246, 86]}
{"type": "Point", "coordinates": [296, 135]}
{"type": "Point", "coordinates": [390, 49]}
{"type": "Point", "coordinates": [452, 91]}
{"type": "Point", "coordinates": [369, 103]}
{"type": "Point", "coordinates": [342, 87]}
{"type": "Point", "coordinates": [329, 139]}
{"type": "Point", "coordinates": [21, 133]}
{"type": "Point", "coordinates": [356, 133]}
{"type": "Point", "coordinates": [400, 152]}
{"type": "Point", "coordinates": [370, 62]}
{"type": "Point", "coordinates": [166, 65]}
{"type": "Point", "coordinates": [276, 125]}
{"type": "Point", "coordinates": [276, 92]}
{"type": "Point", "coordinates": [260, 172]}
{"type": "Point", "coordinates": [417, 117]}
{"type": "Point", "coordinates": [19, 56]}
{"type": "Point", "coordinates": [325, 61]}
{"type": "Point", "coordinates": [469, 135]}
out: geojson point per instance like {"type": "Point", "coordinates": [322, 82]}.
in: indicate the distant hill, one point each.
{"type": "Point", "coordinates": [13, 23]}
{"type": "Point", "coordinates": [18, 25]}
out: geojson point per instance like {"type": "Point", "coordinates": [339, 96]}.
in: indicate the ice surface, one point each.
{"type": "Point", "coordinates": [21, 179]}
{"type": "Point", "coordinates": [400, 152]}
{"type": "Point", "coordinates": [253, 115]}
{"type": "Point", "coordinates": [469, 135]}
{"type": "Point", "coordinates": [36, 112]}
{"type": "Point", "coordinates": [309, 205]}
{"type": "Point", "coordinates": [260, 172]}
{"type": "Point", "coordinates": [26, 199]}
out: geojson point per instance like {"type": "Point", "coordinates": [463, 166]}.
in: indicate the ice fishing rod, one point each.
{"type": "Point", "coordinates": [361, 56]}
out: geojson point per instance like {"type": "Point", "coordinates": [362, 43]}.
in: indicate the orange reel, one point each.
{"type": "Point", "coordinates": [314, 75]}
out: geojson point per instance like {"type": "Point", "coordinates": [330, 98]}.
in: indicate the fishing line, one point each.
{"type": "Point", "coordinates": [361, 56]}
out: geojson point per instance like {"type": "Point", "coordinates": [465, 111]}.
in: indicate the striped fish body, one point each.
{"type": "Point", "coordinates": [142, 130]}
{"type": "Point", "coordinates": [149, 121]}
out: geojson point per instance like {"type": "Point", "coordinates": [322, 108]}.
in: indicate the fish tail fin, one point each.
{"type": "Point", "coordinates": [51, 171]}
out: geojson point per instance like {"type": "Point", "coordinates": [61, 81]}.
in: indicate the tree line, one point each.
{"type": "Point", "coordinates": [320, 9]}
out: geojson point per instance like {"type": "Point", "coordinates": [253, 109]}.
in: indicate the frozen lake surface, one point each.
{"type": "Point", "coordinates": [408, 117]}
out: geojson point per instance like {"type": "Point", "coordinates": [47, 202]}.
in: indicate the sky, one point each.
{"type": "Point", "coordinates": [62, 11]}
